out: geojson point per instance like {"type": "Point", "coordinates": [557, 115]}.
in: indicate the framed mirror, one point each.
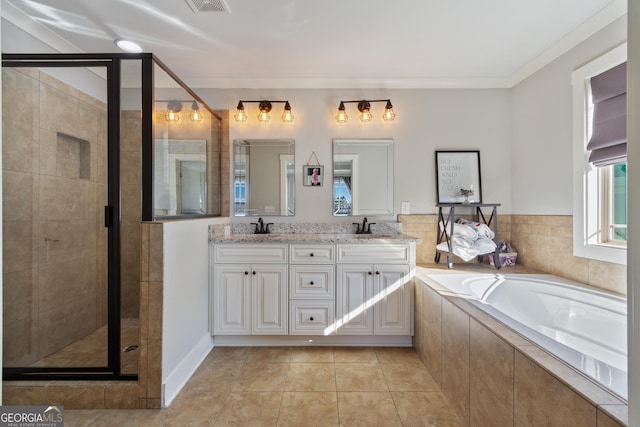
{"type": "Point", "coordinates": [263, 177]}
{"type": "Point", "coordinates": [362, 177]}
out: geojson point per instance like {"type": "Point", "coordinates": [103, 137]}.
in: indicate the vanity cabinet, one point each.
{"type": "Point", "coordinates": [373, 298]}
{"type": "Point", "coordinates": [312, 289]}
{"type": "Point", "coordinates": [250, 298]}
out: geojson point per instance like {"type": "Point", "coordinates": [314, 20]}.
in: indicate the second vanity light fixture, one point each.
{"type": "Point", "coordinates": [364, 106]}
{"type": "Point", "coordinates": [265, 109]}
{"type": "Point", "coordinates": [174, 107]}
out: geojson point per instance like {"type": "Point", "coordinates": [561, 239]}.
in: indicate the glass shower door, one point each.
{"type": "Point", "coordinates": [55, 243]}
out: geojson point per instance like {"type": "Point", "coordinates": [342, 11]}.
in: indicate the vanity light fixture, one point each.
{"type": "Point", "coordinates": [174, 107]}
{"type": "Point", "coordinates": [264, 115]}
{"type": "Point", "coordinates": [364, 106]}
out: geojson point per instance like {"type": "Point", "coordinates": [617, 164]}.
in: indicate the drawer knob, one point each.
{"type": "Point", "coordinates": [377, 272]}
{"type": "Point", "coordinates": [254, 273]}
{"type": "Point", "coordinates": [311, 283]}
{"type": "Point", "coordinates": [311, 254]}
{"type": "Point", "coordinates": [246, 272]}
{"type": "Point", "coordinates": [369, 273]}
{"type": "Point", "coordinates": [311, 318]}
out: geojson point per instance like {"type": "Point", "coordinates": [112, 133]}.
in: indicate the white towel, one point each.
{"type": "Point", "coordinates": [462, 230]}
{"type": "Point", "coordinates": [482, 230]}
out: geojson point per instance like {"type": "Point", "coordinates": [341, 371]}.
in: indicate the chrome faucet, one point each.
{"type": "Point", "coordinates": [261, 227]}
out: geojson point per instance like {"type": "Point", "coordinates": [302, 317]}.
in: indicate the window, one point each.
{"type": "Point", "coordinates": [614, 181]}
{"type": "Point", "coordinates": [600, 186]}
{"type": "Point", "coordinates": [341, 196]}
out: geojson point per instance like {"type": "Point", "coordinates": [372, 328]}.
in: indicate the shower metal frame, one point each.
{"type": "Point", "coordinates": [112, 63]}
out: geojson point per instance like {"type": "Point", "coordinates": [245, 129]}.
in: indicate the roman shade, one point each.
{"type": "Point", "coordinates": [608, 143]}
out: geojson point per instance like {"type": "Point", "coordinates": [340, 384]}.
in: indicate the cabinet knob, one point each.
{"type": "Point", "coordinates": [311, 254]}
{"type": "Point", "coordinates": [311, 282]}
{"type": "Point", "coordinates": [377, 272]}
{"type": "Point", "coordinates": [369, 273]}
{"type": "Point", "coordinates": [254, 273]}
{"type": "Point", "coordinates": [311, 318]}
{"type": "Point", "coordinates": [246, 272]}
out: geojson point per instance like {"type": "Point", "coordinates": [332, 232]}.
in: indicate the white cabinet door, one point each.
{"type": "Point", "coordinates": [392, 293]}
{"type": "Point", "coordinates": [353, 300]}
{"type": "Point", "coordinates": [232, 299]}
{"type": "Point", "coordinates": [270, 300]}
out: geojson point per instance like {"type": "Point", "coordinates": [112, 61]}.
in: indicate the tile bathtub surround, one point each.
{"type": "Point", "coordinates": [543, 242]}
{"type": "Point", "coordinates": [493, 376]}
{"type": "Point", "coordinates": [293, 386]}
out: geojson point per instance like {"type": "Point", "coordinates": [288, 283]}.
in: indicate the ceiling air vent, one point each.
{"type": "Point", "coordinates": [207, 6]}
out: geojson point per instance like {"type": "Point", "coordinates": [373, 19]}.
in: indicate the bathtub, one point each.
{"type": "Point", "coordinates": [584, 326]}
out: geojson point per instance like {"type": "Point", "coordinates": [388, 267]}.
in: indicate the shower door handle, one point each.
{"type": "Point", "coordinates": [108, 216]}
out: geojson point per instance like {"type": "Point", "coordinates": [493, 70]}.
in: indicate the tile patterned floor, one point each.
{"type": "Point", "coordinates": [307, 386]}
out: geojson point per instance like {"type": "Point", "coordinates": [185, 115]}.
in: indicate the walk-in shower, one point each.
{"type": "Point", "coordinates": [89, 152]}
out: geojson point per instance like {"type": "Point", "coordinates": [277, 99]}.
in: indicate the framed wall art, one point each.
{"type": "Point", "coordinates": [458, 177]}
{"type": "Point", "coordinates": [313, 175]}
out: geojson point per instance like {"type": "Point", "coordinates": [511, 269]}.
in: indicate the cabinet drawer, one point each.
{"type": "Point", "coordinates": [312, 254]}
{"type": "Point", "coordinates": [397, 254]}
{"type": "Point", "coordinates": [311, 317]}
{"type": "Point", "coordinates": [251, 253]}
{"type": "Point", "coordinates": [311, 282]}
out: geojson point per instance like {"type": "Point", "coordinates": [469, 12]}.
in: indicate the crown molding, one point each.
{"type": "Point", "coordinates": [355, 82]}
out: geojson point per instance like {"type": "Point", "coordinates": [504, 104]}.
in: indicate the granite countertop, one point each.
{"type": "Point", "coordinates": [328, 238]}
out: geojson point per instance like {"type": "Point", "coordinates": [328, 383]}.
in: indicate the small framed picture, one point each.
{"type": "Point", "coordinates": [458, 177]}
{"type": "Point", "coordinates": [313, 175]}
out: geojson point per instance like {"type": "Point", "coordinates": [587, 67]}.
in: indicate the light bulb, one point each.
{"type": "Point", "coordinates": [287, 115]}
{"type": "Point", "coordinates": [172, 116]}
{"type": "Point", "coordinates": [341, 117]}
{"type": "Point", "coordinates": [388, 114]}
{"type": "Point", "coordinates": [365, 111]}
{"type": "Point", "coordinates": [265, 109]}
{"type": "Point", "coordinates": [264, 116]}
{"type": "Point", "coordinates": [240, 115]}
{"type": "Point", "coordinates": [365, 116]}
{"type": "Point", "coordinates": [195, 115]}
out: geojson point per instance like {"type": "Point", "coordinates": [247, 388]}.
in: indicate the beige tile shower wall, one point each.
{"type": "Point", "coordinates": [131, 190]}
{"type": "Point", "coordinates": [543, 242]}
{"type": "Point", "coordinates": [54, 174]}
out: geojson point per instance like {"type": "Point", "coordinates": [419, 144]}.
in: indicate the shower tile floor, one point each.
{"type": "Point", "coordinates": [91, 350]}
{"type": "Point", "coordinates": [284, 386]}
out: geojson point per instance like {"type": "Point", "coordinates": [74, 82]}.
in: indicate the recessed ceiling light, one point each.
{"type": "Point", "coordinates": [128, 46]}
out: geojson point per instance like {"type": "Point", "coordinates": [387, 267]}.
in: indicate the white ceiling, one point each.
{"type": "Point", "coordinates": [326, 43]}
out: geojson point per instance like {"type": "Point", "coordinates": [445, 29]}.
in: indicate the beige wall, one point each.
{"type": "Point", "coordinates": [543, 242]}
